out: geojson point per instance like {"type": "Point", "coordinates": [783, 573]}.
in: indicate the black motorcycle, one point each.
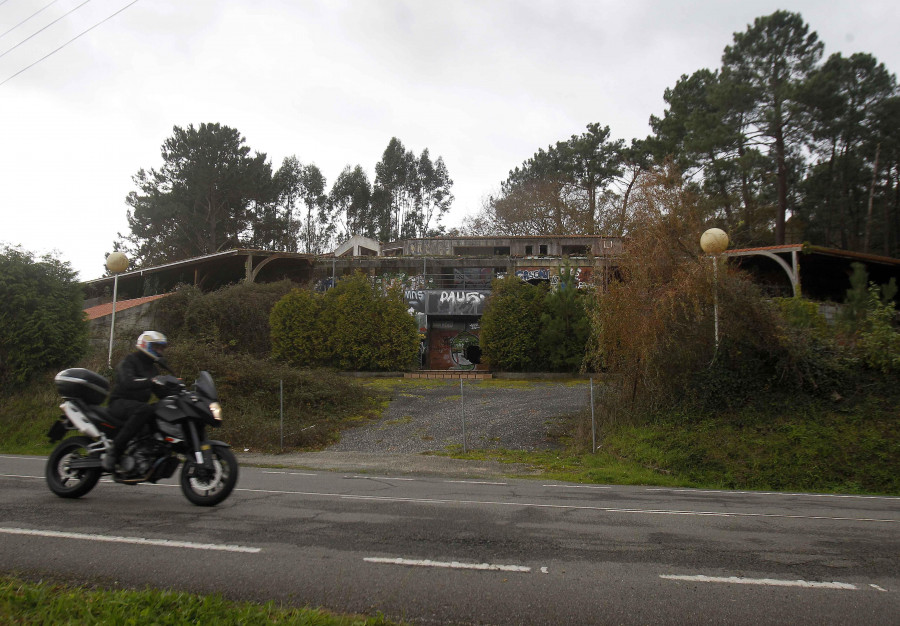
{"type": "Point", "coordinates": [176, 434]}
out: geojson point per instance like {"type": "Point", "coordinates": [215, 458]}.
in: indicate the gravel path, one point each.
{"type": "Point", "coordinates": [497, 415]}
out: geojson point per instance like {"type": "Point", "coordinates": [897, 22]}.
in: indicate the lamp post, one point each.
{"type": "Point", "coordinates": [714, 242]}
{"type": "Point", "coordinates": [115, 263]}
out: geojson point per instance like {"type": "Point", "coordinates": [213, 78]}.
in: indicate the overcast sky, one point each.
{"type": "Point", "coordinates": [482, 83]}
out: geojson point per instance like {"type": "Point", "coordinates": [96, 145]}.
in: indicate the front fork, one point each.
{"type": "Point", "coordinates": [202, 455]}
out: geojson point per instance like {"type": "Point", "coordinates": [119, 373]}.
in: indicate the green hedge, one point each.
{"type": "Point", "coordinates": [353, 326]}
{"type": "Point", "coordinates": [42, 324]}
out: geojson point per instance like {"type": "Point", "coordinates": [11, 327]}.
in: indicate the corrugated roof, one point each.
{"type": "Point", "coordinates": [102, 310]}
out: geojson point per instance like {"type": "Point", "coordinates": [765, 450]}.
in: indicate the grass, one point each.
{"type": "Point", "coordinates": [786, 443]}
{"type": "Point", "coordinates": [28, 602]}
{"type": "Point", "coordinates": [27, 415]}
{"type": "Point", "coordinates": [795, 444]}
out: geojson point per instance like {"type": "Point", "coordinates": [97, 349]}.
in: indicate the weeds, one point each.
{"type": "Point", "coordinates": [26, 602]}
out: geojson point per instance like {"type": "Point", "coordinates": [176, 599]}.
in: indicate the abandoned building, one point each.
{"type": "Point", "coordinates": [447, 280]}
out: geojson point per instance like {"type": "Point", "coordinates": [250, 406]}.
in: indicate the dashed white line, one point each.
{"type": "Point", "coordinates": [772, 493]}
{"type": "Point", "coordinates": [771, 582]}
{"type": "Point", "coordinates": [874, 586]}
{"type": "Point", "coordinates": [167, 543]}
{"type": "Point", "coordinates": [381, 478]}
{"type": "Point", "coordinates": [292, 473]}
{"type": "Point", "coordinates": [450, 564]}
{"type": "Point", "coordinates": [579, 486]}
{"type": "Point", "coordinates": [475, 482]}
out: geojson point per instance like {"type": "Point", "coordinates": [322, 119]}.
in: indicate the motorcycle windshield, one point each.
{"type": "Point", "coordinates": [206, 386]}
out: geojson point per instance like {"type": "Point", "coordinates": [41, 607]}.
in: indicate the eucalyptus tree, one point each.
{"type": "Point", "coordinates": [395, 175]}
{"type": "Point", "coordinates": [302, 204]}
{"type": "Point", "coordinates": [432, 194]}
{"type": "Point", "coordinates": [410, 193]}
{"type": "Point", "coordinates": [350, 202]}
{"type": "Point", "coordinates": [199, 201]}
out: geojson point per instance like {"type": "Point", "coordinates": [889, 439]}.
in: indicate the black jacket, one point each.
{"type": "Point", "coordinates": [133, 378]}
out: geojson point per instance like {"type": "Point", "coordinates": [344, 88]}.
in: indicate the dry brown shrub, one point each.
{"type": "Point", "coordinates": [654, 327]}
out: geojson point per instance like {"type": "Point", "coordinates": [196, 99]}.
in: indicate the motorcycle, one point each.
{"type": "Point", "coordinates": [175, 435]}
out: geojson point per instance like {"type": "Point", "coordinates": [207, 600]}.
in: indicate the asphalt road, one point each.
{"type": "Point", "coordinates": [437, 549]}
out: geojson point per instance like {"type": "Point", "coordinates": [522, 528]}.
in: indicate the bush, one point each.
{"type": "Point", "coordinates": [353, 326]}
{"type": "Point", "coordinates": [511, 325]}
{"type": "Point", "coordinates": [42, 323]}
{"type": "Point", "coordinates": [654, 329]}
{"type": "Point", "coordinates": [565, 326]}
{"type": "Point", "coordinates": [317, 403]}
{"type": "Point", "coordinates": [878, 338]}
{"type": "Point", "coordinates": [235, 317]}
{"type": "Point", "coordinates": [298, 332]}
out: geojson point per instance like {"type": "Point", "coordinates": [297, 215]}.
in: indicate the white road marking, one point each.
{"type": "Point", "coordinates": [450, 564]}
{"type": "Point", "coordinates": [381, 478]}
{"type": "Point", "coordinates": [771, 582]}
{"type": "Point", "coordinates": [544, 570]}
{"type": "Point", "coordinates": [292, 473]}
{"type": "Point", "coordinates": [168, 543]}
{"type": "Point", "coordinates": [578, 486]}
{"type": "Point", "coordinates": [877, 587]}
{"type": "Point", "coordinates": [474, 482]}
{"type": "Point", "coordinates": [772, 493]}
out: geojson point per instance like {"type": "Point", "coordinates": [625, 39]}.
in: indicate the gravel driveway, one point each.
{"type": "Point", "coordinates": [513, 415]}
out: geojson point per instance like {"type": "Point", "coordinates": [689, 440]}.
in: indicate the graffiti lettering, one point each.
{"type": "Point", "coordinates": [412, 295]}
{"type": "Point", "coordinates": [460, 297]}
{"type": "Point", "coordinates": [541, 274]}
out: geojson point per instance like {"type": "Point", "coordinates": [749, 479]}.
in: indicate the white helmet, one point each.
{"type": "Point", "coordinates": [152, 343]}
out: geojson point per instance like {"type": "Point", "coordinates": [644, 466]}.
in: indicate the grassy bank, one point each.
{"type": "Point", "coordinates": [795, 444]}
{"type": "Point", "coordinates": [27, 602]}
{"type": "Point", "coordinates": [792, 443]}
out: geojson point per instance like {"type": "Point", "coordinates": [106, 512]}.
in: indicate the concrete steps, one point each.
{"type": "Point", "coordinates": [450, 374]}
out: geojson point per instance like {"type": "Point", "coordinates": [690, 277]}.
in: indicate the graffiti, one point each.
{"type": "Point", "coordinates": [539, 274]}
{"type": "Point", "coordinates": [461, 302]}
{"type": "Point", "coordinates": [582, 276]}
{"type": "Point", "coordinates": [446, 302]}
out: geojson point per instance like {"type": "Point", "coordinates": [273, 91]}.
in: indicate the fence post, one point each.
{"type": "Point", "coordinates": [593, 422]}
{"type": "Point", "coordinates": [281, 395]}
{"type": "Point", "coordinates": [462, 402]}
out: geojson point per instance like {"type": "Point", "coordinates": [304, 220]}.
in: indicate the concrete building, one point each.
{"type": "Point", "coordinates": [447, 280]}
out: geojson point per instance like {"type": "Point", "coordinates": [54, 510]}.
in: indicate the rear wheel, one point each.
{"type": "Point", "coordinates": [209, 486]}
{"type": "Point", "coordinates": [61, 478]}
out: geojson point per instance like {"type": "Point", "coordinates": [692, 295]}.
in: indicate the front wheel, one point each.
{"type": "Point", "coordinates": [61, 478]}
{"type": "Point", "coordinates": [209, 486]}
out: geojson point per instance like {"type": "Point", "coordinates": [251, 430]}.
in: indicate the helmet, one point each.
{"type": "Point", "coordinates": [151, 343]}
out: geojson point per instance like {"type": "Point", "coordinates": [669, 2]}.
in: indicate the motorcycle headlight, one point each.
{"type": "Point", "coordinates": [216, 410]}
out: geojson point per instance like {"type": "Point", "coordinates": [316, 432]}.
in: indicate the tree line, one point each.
{"type": "Point", "coordinates": [778, 145]}
{"type": "Point", "coordinates": [213, 193]}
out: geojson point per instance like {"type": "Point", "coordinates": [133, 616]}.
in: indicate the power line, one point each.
{"type": "Point", "coordinates": [68, 42]}
{"type": "Point", "coordinates": [26, 19]}
{"type": "Point", "coordinates": [44, 28]}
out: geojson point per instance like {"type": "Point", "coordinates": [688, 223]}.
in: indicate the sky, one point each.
{"type": "Point", "coordinates": [481, 83]}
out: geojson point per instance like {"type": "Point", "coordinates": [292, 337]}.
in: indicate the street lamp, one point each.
{"type": "Point", "coordinates": [714, 242]}
{"type": "Point", "coordinates": [115, 263]}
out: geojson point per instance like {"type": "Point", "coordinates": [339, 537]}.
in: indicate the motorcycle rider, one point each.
{"type": "Point", "coordinates": [129, 400]}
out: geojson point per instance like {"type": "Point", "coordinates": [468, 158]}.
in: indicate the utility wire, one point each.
{"type": "Point", "coordinates": [2, 35]}
{"type": "Point", "coordinates": [68, 42]}
{"type": "Point", "coordinates": [44, 28]}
